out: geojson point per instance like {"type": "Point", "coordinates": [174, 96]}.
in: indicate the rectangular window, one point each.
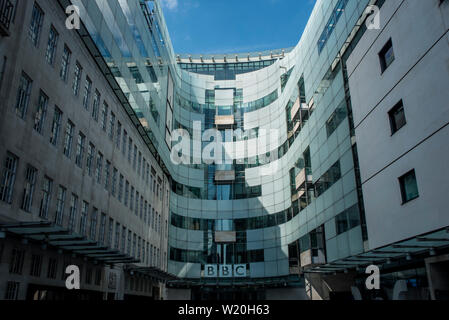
{"type": "Point", "coordinates": [117, 236]}
{"type": "Point", "coordinates": [118, 136]}
{"type": "Point", "coordinates": [128, 247]}
{"type": "Point", "coordinates": [139, 163]}
{"type": "Point", "coordinates": [41, 112]}
{"type": "Point", "coordinates": [123, 241]}
{"type": "Point", "coordinates": [409, 186]}
{"type": "Point", "coordinates": [60, 205]}
{"type": "Point", "coordinates": [397, 117]}
{"type": "Point", "coordinates": [77, 80]}
{"type": "Point", "coordinates": [135, 158]}
{"type": "Point", "coordinates": [93, 224]}
{"type": "Point", "coordinates": [99, 168]}
{"type": "Point", "coordinates": [107, 175]}
{"type": "Point", "coordinates": [37, 18]}
{"type": "Point", "coordinates": [68, 140]}
{"type": "Point", "coordinates": [386, 56]}
{"type": "Point", "coordinates": [8, 178]}
{"type": "Point", "coordinates": [28, 192]}
{"type": "Point", "coordinates": [80, 146]}
{"type": "Point", "coordinates": [51, 45]}
{"type": "Point", "coordinates": [102, 228]}
{"type": "Point", "coordinates": [36, 265]}
{"type": "Point", "coordinates": [87, 92]}
{"type": "Point", "coordinates": [131, 201]}
{"type": "Point", "coordinates": [90, 159]}
{"type": "Point", "coordinates": [110, 232]}
{"type": "Point", "coordinates": [114, 182]}
{"type": "Point", "coordinates": [52, 268]}
{"type": "Point", "coordinates": [47, 188]}
{"type": "Point", "coordinates": [17, 259]}
{"type": "Point", "coordinates": [112, 126]}
{"type": "Point", "coordinates": [73, 212]}
{"type": "Point", "coordinates": [65, 63]}
{"type": "Point", "coordinates": [130, 149]}
{"type": "Point", "coordinates": [104, 116]}
{"type": "Point", "coordinates": [96, 105]}
{"type": "Point", "coordinates": [12, 290]}
{"type": "Point", "coordinates": [125, 202]}
{"type": "Point", "coordinates": [23, 95]}
{"type": "Point", "coordinates": [125, 138]}
{"type": "Point", "coordinates": [56, 126]}
{"type": "Point", "coordinates": [83, 218]}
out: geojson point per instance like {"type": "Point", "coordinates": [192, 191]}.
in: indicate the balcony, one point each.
{"type": "Point", "coordinates": [6, 11]}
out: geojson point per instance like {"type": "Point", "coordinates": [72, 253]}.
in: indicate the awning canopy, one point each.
{"type": "Point", "coordinates": [290, 281]}
{"type": "Point", "coordinates": [60, 238]}
{"type": "Point", "coordinates": [426, 243]}
{"type": "Point", "coordinates": [152, 272]}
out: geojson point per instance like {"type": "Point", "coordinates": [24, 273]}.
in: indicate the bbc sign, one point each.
{"type": "Point", "coordinates": [225, 271]}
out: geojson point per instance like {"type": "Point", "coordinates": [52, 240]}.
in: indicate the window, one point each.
{"type": "Point", "coordinates": [130, 148]}
{"type": "Point", "coordinates": [93, 224]}
{"type": "Point", "coordinates": [120, 188]}
{"type": "Point", "coordinates": [23, 95]}
{"type": "Point", "coordinates": [107, 174]}
{"type": "Point", "coordinates": [118, 135]}
{"type": "Point", "coordinates": [117, 236]}
{"type": "Point", "coordinates": [125, 202]}
{"type": "Point", "coordinates": [60, 205]}
{"type": "Point", "coordinates": [123, 241]}
{"type": "Point", "coordinates": [17, 259]}
{"type": "Point", "coordinates": [102, 228]}
{"type": "Point", "coordinates": [56, 126]}
{"type": "Point", "coordinates": [114, 182]}
{"type": "Point", "coordinates": [348, 219]}
{"type": "Point", "coordinates": [409, 186]}
{"type": "Point", "coordinates": [131, 201]}
{"type": "Point", "coordinates": [76, 81]}
{"type": "Point", "coordinates": [46, 197]}
{"type": "Point", "coordinates": [51, 46]}
{"type": "Point", "coordinates": [98, 274]}
{"type": "Point", "coordinates": [80, 146]}
{"type": "Point", "coordinates": [12, 290]}
{"type": "Point", "coordinates": [41, 112]}
{"type": "Point", "coordinates": [112, 126]}
{"type": "Point", "coordinates": [397, 117]}
{"type": "Point", "coordinates": [104, 116]}
{"type": "Point", "coordinates": [128, 248]}
{"type": "Point", "coordinates": [9, 178]}
{"type": "Point", "coordinates": [65, 63]}
{"type": "Point", "coordinates": [87, 91]}
{"type": "Point", "coordinates": [135, 158]}
{"type": "Point", "coordinates": [386, 56]}
{"type": "Point", "coordinates": [83, 218]}
{"type": "Point", "coordinates": [68, 141]}
{"type": "Point", "coordinates": [28, 192]}
{"type": "Point", "coordinates": [110, 231]}
{"type": "Point", "coordinates": [52, 268]}
{"type": "Point", "coordinates": [36, 265]}
{"type": "Point", "coordinates": [139, 163]}
{"type": "Point", "coordinates": [125, 138]}
{"type": "Point", "coordinates": [99, 168]}
{"type": "Point", "coordinates": [90, 159]}
{"type": "Point", "coordinates": [37, 18]}
{"type": "Point", "coordinates": [73, 212]}
{"type": "Point", "coordinates": [96, 105]}
{"type": "Point", "coordinates": [89, 272]}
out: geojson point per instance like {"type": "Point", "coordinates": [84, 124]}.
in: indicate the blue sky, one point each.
{"type": "Point", "coordinates": [233, 26]}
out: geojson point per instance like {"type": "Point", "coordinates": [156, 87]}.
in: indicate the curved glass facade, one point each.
{"type": "Point", "coordinates": [290, 189]}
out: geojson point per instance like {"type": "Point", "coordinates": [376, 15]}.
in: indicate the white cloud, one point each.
{"type": "Point", "coordinates": [170, 4]}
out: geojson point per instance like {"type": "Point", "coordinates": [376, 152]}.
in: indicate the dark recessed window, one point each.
{"type": "Point", "coordinates": [409, 186]}
{"type": "Point", "coordinates": [386, 55]}
{"type": "Point", "coordinates": [397, 117]}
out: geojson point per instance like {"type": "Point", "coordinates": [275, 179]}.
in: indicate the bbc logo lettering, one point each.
{"type": "Point", "coordinates": [225, 271]}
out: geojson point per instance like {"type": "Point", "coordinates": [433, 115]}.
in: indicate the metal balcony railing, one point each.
{"type": "Point", "coordinates": [6, 12]}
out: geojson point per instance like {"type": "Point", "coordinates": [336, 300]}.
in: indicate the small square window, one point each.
{"type": "Point", "coordinates": [409, 186]}
{"type": "Point", "coordinates": [397, 117]}
{"type": "Point", "coordinates": [386, 56]}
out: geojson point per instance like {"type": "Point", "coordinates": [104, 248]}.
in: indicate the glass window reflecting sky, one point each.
{"type": "Point", "coordinates": [215, 26]}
